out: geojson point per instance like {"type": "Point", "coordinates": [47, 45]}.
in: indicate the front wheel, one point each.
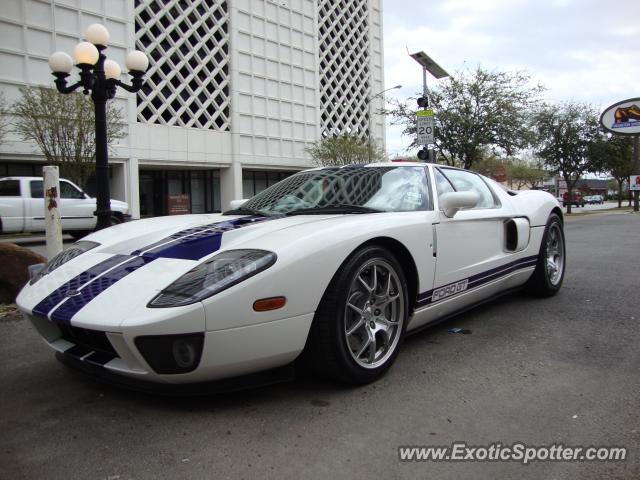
{"type": "Point", "coordinates": [549, 273]}
{"type": "Point", "coordinates": [359, 325]}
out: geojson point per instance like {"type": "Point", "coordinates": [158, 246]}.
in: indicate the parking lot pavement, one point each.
{"type": "Point", "coordinates": [559, 370]}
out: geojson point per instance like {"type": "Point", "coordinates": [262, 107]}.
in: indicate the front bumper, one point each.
{"type": "Point", "coordinates": [253, 380]}
{"type": "Point", "coordinates": [234, 352]}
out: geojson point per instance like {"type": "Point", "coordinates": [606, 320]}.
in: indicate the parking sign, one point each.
{"type": "Point", "coordinates": [424, 126]}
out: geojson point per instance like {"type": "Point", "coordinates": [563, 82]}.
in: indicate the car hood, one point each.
{"type": "Point", "coordinates": [191, 237]}
{"type": "Point", "coordinates": [136, 260]}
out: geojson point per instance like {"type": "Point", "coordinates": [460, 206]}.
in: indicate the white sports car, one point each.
{"type": "Point", "coordinates": [331, 266]}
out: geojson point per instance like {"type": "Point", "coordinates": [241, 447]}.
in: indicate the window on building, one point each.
{"type": "Point", "coordinates": [20, 169]}
{"type": "Point", "coordinates": [202, 187]}
{"type": "Point", "coordinates": [255, 181]}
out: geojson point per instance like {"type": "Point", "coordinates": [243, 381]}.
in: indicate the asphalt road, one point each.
{"type": "Point", "coordinates": [560, 370]}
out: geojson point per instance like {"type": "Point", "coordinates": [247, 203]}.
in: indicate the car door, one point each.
{"type": "Point", "coordinates": [76, 210]}
{"type": "Point", "coordinates": [471, 245]}
{"type": "Point", "coordinates": [34, 199]}
{"type": "Point", "coordinates": [11, 206]}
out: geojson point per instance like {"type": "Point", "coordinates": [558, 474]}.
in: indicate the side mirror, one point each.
{"type": "Point", "coordinates": [451, 202]}
{"type": "Point", "coordinates": [234, 204]}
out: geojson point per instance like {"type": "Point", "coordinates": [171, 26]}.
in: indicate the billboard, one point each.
{"type": "Point", "coordinates": [622, 118]}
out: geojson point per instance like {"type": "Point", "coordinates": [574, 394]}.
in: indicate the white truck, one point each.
{"type": "Point", "coordinates": [22, 207]}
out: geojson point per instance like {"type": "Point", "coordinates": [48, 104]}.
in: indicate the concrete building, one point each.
{"type": "Point", "coordinates": [235, 92]}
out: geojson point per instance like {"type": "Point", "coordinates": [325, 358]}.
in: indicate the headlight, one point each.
{"type": "Point", "coordinates": [213, 276]}
{"type": "Point", "coordinates": [63, 257]}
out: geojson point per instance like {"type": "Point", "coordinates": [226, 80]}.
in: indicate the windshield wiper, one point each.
{"type": "Point", "coordinates": [333, 209]}
{"type": "Point", "coordinates": [246, 211]}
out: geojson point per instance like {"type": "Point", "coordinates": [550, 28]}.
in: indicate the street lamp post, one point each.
{"type": "Point", "coordinates": [101, 77]}
{"type": "Point", "coordinates": [371, 116]}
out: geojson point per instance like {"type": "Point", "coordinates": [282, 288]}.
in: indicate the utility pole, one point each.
{"type": "Point", "coordinates": [425, 122]}
{"type": "Point", "coordinates": [636, 170]}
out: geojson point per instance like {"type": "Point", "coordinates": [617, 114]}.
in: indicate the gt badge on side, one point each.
{"type": "Point", "coordinates": [448, 290]}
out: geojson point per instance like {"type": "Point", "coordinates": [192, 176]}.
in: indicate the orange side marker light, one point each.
{"type": "Point", "coordinates": [267, 304]}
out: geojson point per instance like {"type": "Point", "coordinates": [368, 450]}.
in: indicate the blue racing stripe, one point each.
{"type": "Point", "coordinates": [479, 279]}
{"type": "Point", "coordinates": [198, 242]}
{"type": "Point", "coordinates": [54, 298]}
{"type": "Point", "coordinates": [73, 304]}
{"type": "Point", "coordinates": [190, 244]}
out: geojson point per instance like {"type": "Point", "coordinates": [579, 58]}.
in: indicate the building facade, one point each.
{"type": "Point", "coordinates": [236, 90]}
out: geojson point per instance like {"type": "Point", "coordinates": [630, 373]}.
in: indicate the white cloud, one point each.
{"type": "Point", "coordinates": [580, 50]}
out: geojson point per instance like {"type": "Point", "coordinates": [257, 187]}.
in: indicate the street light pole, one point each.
{"type": "Point", "coordinates": [101, 77]}
{"type": "Point", "coordinates": [371, 117]}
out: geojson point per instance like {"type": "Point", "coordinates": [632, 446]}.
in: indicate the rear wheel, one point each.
{"type": "Point", "coordinates": [359, 325]}
{"type": "Point", "coordinates": [549, 273]}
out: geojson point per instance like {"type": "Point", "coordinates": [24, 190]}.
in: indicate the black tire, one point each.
{"type": "Point", "coordinates": [544, 282]}
{"type": "Point", "coordinates": [330, 350]}
{"type": "Point", "coordinates": [115, 220]}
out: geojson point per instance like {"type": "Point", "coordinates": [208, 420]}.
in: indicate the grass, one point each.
{"type": "Point", "coordinates": [7, 309]}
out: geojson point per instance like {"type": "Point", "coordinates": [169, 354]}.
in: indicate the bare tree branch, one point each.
{"type": "Point", "coordinates": [63, 127]}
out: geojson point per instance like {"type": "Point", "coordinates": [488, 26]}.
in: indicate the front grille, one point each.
{"type": "Point", "coordinates": [91, 339]}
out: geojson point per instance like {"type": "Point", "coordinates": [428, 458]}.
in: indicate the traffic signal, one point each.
{"type": "Point", "coordinates": [423, 102]}
{"type": "Point", "coordinates": [423, 154]}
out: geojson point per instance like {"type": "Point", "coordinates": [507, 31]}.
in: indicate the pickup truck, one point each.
{"type": "Point", "coordinates": [22, 207]}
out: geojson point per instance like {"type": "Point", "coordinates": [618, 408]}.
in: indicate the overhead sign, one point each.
{"type": "Point", "coordinates": [425, 123]}
{"type": "Point", "coordinates": [634, 183]}
{"type": "Point", "coordinates": [622, 118]}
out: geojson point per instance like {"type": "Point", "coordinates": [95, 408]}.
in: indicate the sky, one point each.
{"type": "Point", "coordinates": [582, 50]}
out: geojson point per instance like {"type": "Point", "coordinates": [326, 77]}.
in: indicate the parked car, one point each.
{"type": "Point", "coordinates": [576, 199]}
{"type": "Point", "coordinates": [594, 199]}
{"type": "Point", "coordinates": [330, 267]}
{"type": "Point", "coordinates": [22, 207]}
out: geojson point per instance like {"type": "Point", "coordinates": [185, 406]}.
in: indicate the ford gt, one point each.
{"type": "Point", "coordinates": [331, 267]}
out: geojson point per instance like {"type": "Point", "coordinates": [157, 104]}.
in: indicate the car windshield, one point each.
{"type": "Point", "coordinates": [344, 190]}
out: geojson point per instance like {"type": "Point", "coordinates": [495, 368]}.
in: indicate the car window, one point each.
{"type": "Point", "coordinates": [442, 184]}
{"type": "Point", "coordinates": [36, 189]}
{"type": "Point", "coordinates": [464, 181]}
{"type": "Point", "coordinates": [389, 189]}
{"type": "Point", "coordinates": [69, 191]}
{"type": "Point", "coordinates": [9, 188]}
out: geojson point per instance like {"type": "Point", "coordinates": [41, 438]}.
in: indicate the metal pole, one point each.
{"type": "Point", "coordinates": [636, 170]}
{"type": "Point", "coordinates": [53, 225]}
{"type": "Point", "coordinates": [425, 94]}
{"type": "Point", "coordinates": [99, 95]}
{"type": "Point", "coordinates": [369, 131]}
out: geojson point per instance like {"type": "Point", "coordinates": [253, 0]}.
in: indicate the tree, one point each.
{"type": "Point", "coordinates": [490, 166]}
{"type": "Point", "coordinates": [524, 174]}
{"type": "Point", "coordinates": [565, 137]}
{"type": "Point", "coordinates": [344, 149]}
{"type": "Point", "coordinates": [4, 118]}
{"type": "Point", "coordinates": [475, 111]}
{"type": "Point", "coordinates": [63, 127]}
{"type": "Point", "coordinates": [613, 155]}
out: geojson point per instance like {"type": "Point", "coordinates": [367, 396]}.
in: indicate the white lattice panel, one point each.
{"type": "Point", "coordinates": [188, 46]}
{"type": "Point", "coordinates": [345, 66]}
